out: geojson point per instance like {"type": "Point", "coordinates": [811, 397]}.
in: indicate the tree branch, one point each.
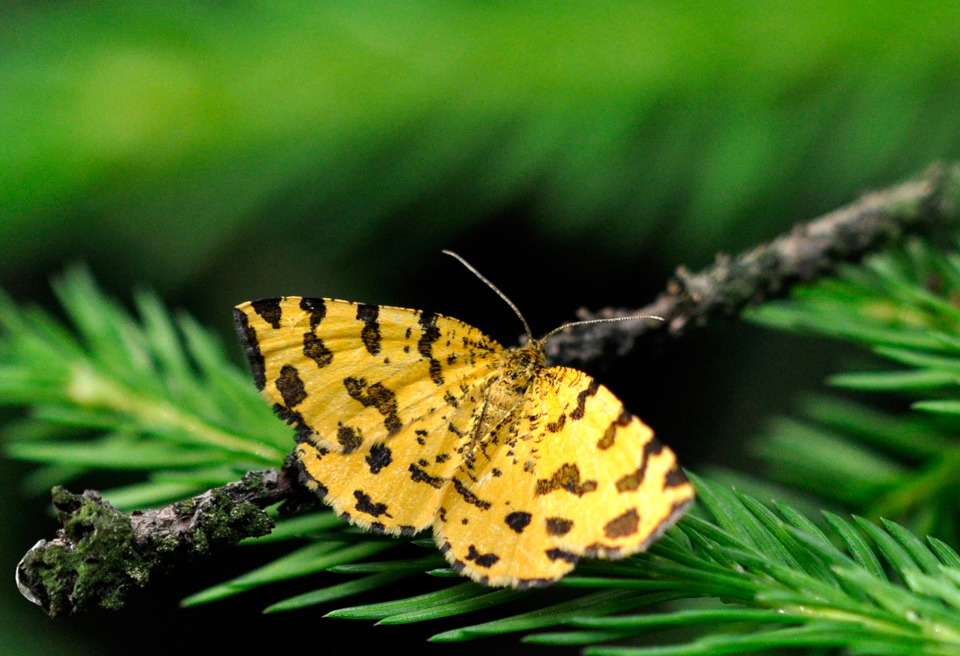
{"type": "Point", "coordinates": [101, 554]}
{"type": "Point", "coordinates": [812, 249]}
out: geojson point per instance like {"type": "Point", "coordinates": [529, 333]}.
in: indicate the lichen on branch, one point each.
{"type": "Point", "coordinates": [102, 554]}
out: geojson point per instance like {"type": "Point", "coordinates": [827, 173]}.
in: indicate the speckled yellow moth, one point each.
{"type": "Point", "coordinates": [408, 420]}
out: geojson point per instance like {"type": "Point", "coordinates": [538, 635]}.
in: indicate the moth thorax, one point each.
{"type": "Point", "coordinates": [506, 392]}
{"type": "Point", "coordinates": [524, 363]}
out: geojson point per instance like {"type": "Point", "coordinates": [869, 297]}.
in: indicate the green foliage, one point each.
{"type": "Point", "coordinates": [158, 396]}
{"type": "Point", "coordinates": [177, 142]}
{"type": "Point", "coordinates": [903, 306]}
{"type": "Point", "coordinates": [772, 578]}
{"type": "Point", "coordinates": [183, 119]}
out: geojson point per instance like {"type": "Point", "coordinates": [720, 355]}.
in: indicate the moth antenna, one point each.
{"type": "Point", "coordinates": [479, 275]}
{"type": "Point", "coordinates": [589, 321]}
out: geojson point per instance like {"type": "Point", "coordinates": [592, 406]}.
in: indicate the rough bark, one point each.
{"type": "Point", "coordinates": [102, 554]}
{"type": "Point", "coordinates": [811, 249]}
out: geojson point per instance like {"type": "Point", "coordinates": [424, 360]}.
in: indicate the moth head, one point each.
{"type": "Point", "coordinates": [529, 357]}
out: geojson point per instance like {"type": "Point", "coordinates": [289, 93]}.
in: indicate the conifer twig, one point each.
{"type": "Point", "coordinates": [809, 250]}
{"type": "Point", "coordinates": [101, 554]}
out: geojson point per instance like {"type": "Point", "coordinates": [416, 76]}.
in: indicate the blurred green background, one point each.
{"type": "Point", "coordinates": [575, 153]}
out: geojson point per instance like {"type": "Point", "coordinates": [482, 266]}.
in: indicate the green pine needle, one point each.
{"type": "Point", "coordinates": [157, 395]}
{"type": "Point", "coordinates": [297, 527]}
{"type": "Point", "coordinates": [159, 390]}
{"type": "Point", "coordinates": [776, 581]}
{"type": "Point", "coordinates": [901, 305]}
{"type": "Point", "coordinates": [379, 611]}
{"type": "Point", "coordinates": [341, 590]}
{"type": "Point", "coordinates": [579, 609]}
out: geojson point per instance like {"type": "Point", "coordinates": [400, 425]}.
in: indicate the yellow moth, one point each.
{"type": "Point", "coordinates": [408, 420]}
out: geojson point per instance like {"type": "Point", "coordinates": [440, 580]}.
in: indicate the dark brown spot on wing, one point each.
{"type": "Point", "coordinates": [482, 560]}
{"type": "Point", "coordinates": [623, 525]}
{"type": "Point", "coordinates": [609, 435]}
{"type": "Point", "coordinates": [366, 505]}
{"type": "Point", "coordinates": [317, 308]}
{"type": "Point", "coordinates": [518, 521]}
{"type": "Point", "coordinates": [349, 438]}
{"type": "Point", "coordinates": [634, 480]}
{"type": "Point", "coordinates": [436, 372]}
{"type": "Point", "coordinates": [251, 346]}
{"type": "Point", "coordinates": [555, 426]}
{"type": "Point", "coordinates": [577, 413]}
{"type": "Point", "coordinates": [469, 496]}
{"type": "Point", "coordinates": [316, 350]}
{"type": "Point", "coordinates": [380, 457]}
{"type": "Point", "coordinates": [309, 481]}
{"type": "Point", "coordinates": [559, 525]}
{"type": "Point", "coordinates": [430, 334]}
{"type": "Point", "coordinates": [295, 419]}
{"type": "Point", "coordinates": [418, 475]}
{"type": "Point", "coordinates": [674, 477]}
{"type": "Point", "coordinates": [269, 310]}
{"type": "Point", "coordinates": [566, 477]}
{"type": "Point", "coordinates": [377, 396]}
{"type": "Point", "coordinates": [560, 554]}
{"type": "Point", "coordinates": [290, 386]}
{"type": "Point", "coordinates": [370, 333]}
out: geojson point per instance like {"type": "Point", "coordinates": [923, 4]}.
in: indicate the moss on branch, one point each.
{"type": "Point", "coordinates": [102, 554]}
